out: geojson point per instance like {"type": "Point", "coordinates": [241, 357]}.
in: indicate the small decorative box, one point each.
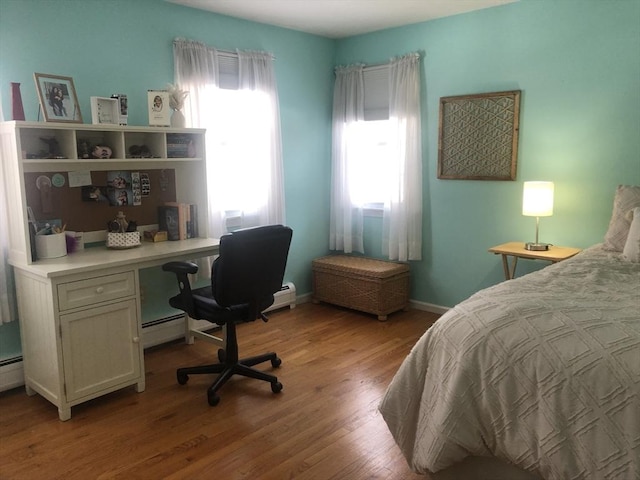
{"type": "Point", "coordinates": [155, 235]}
{"type": "Point", "coordinates": [123, 240]}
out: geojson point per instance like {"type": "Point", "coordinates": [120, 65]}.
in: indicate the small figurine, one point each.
{"type": "Point", "coordinates": [101, 151]}
{"type": "Point", "coordinates": [119, 225]}
{"type": "Point", "coordinates": [83, 149]}
{"type": "Point", "coordinates": [54, 147]}
{"type": "Point", "coordinates": [139, 151]}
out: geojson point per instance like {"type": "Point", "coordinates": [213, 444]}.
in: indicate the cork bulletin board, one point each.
{"type": "Point", "coordinates": [66, 204]}
{"type": "Point", "coordinates": [478, 136]}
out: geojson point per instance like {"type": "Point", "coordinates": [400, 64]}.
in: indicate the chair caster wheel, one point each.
{"type": "Point", "coordinates": [276, 387]}
{"type": "Point", "coordinates": [222, 355]}
{"type": "Point", "coordinates": [276, 362]}
{"type": "Point", "coordinates": [182, 378]}
{"type": "Point", "coordinates": [213, 399]}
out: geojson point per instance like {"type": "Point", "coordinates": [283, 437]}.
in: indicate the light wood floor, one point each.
{"type": "Point", "coordinates": [336, 365]}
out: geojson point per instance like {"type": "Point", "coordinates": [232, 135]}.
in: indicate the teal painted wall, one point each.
{"type": "Point", "coordinates": [576, 62]}
{"type": "Point", "coordinates": [126, 46]}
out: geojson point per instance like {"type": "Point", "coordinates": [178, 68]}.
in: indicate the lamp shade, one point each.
{"type": "Point", "coordinates": [537, 199]}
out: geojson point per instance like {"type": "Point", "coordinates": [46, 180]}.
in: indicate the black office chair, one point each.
{"type": "Point", "coordinates": [244, 278]}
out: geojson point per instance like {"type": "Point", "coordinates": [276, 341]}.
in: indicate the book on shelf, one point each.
{"type": "Point", "coordinates": [180, 145]}
{"type": "Point", "coordinates": [193, 226]}
{"type": "Point", "coordinates": [179, 220]}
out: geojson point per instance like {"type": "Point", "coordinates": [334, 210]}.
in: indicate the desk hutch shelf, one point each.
{"type": "Point", "coordinates": [80, 318]}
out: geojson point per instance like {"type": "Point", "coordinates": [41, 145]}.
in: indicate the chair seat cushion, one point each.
{"type": "Point", "coordinates": [206, 308]}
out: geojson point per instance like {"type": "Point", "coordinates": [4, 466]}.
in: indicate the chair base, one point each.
{"type": "Point", "coordinates": [227, 368]}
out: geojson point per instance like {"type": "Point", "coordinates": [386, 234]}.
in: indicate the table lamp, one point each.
{"type": "Point", "coordinates": [537, 201]}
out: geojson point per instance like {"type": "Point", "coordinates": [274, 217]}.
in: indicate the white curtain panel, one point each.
{"type": "Point", "coordinates": [7, 289]}
{"type": "Point", "coordinates": [256, 74]}
{"type": "Point", "coordinates": [346, 219]}
{"type": "Point", "coordinates": [197, 69]}
{"type": "Point", "coordinates": [402, 215]}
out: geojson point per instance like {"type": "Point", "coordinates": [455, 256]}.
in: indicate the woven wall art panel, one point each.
{"type": "Point", "coordinates": [478, 136]}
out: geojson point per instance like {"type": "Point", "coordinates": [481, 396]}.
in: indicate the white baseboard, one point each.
{"type": "Point", "coordinates": [305, 298]}
{"type": "Point", "coordinates": [168, 331]}
{"type": "Point", "coordinates": [428, 307]}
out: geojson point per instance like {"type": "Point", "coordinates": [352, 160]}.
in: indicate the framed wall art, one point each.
{"type": "Point", "coordinates": [478, 136]}
{"type": "Point", "coordinates": [58, 99]}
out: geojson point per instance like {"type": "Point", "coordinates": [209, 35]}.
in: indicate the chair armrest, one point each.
{"type": "Point", "coordinates": [180, 267]}
{"type": "Point", "coordinates": [185, 299]}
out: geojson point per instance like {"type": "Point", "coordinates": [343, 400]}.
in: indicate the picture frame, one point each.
{"type": "Point", "coordinates": [159, 110]}
{"type": "Point", "coordinates": [124, 107]}
{"type": "Point", "coordinates": [478, 136]}
{"type": "Point", "coordinates": [58, 99]}
{"type": "Point", "coordinates": [105, 110]}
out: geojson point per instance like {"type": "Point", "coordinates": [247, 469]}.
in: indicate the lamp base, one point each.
{"type": "Point", "coordinates": [536, 247]}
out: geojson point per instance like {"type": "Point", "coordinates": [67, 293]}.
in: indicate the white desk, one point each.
{"type": "Point", "coordinates": [80, 319]}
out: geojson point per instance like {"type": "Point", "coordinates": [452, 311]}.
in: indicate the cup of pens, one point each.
{"type": "Point", "coordinates": [51, 243]}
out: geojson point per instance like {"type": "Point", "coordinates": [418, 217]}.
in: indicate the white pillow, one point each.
{"type": "Point", "coordinates": [632, 246]}
{"type": "Point", "coordinates": [627, 197]}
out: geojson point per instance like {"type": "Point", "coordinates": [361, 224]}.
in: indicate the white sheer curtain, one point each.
{"type": "Point", "coordinates": [402, 216]}
{"type": "Point", "coordinates": [402, 213]}
{"type": "Point", "coordinates": [256, 74]}
{"type": "Point", "coordinates": [346, 219]}
{"type": "Point", "coordinates": [8, 311]}
{"type": "Point", "coordinates": [244, 153]}
{"type": "Point", "coordinates": [7, 298]}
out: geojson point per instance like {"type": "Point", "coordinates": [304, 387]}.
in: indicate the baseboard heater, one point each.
{"type": "Point", "coordinates": [286, 297]}
{"type": "Point", "coordinates": [11, 373]}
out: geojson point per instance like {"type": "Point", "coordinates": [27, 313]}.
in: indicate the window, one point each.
{"type": "Point", "coordinates": [368, 175]}
{"type": "Point", "coordinates": [376, 156]}
{"type": "Point", "coordinates": [234, 96]}
{"type": "Point", "coordinates": [370, 140]}
{"type": "Point", "coordinates": [238, 148]}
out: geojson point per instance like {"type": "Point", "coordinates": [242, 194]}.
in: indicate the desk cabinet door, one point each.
{"type": "Point", "coordinates": [101, 349]}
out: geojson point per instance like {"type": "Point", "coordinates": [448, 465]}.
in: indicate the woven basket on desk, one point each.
{"type": "Point", "coordinates": [123, 240]}
{"type": "Point", "coordinates": [365, 284]}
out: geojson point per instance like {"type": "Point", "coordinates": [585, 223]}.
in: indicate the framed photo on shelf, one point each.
{"type": "Point", "coordinates": [124, 107]}
{"type": "Point", "coordinates": [159, 110]}
{"type": "Point", "coordinates": [105, 110]}
{"type": "Point", "coordinates": [58, 99]}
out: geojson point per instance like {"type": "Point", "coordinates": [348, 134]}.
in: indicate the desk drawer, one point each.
{"type": "Point", "coordinates": [96, 290]}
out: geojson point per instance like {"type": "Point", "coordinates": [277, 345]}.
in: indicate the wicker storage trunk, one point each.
{"type": "Point", "coordinates": [366, 284]}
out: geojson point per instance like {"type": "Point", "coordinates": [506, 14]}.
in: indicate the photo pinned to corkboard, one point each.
{"type": "Point", "coordinates": [478, 136]}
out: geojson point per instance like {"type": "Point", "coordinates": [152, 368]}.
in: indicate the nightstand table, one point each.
{"type": "Point", "coordinates": [517, 250]}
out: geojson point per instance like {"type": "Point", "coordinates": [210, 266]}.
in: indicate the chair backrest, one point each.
{"type": "Point", "coordinates": [250, 268]}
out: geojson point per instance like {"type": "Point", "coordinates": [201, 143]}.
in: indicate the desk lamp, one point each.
{"type": "Point", "coordinates": [537, 201]}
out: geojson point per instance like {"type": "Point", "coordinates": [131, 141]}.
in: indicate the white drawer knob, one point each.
{"type": "Point", "coordinates": [136, 339]}
{"type": "Point", "coordinates": [99, 289]}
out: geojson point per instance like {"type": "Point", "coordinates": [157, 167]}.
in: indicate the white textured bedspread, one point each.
{"type": "Point", "coordinates": [542, 372]}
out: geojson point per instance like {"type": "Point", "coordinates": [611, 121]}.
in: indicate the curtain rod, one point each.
{"type": "Point", "coordinates": [379, 66]}
{"type": "Point", "coordinates": [223, 53]}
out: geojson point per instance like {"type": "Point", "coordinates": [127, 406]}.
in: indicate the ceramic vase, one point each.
{"type": "Point", "coordinates": [17, 110]}
{"type": "Point", "coordinates": [177, 119]}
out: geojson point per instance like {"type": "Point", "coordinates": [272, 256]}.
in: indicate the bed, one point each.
{"type": "Point", "coordinates": [536, 377]}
